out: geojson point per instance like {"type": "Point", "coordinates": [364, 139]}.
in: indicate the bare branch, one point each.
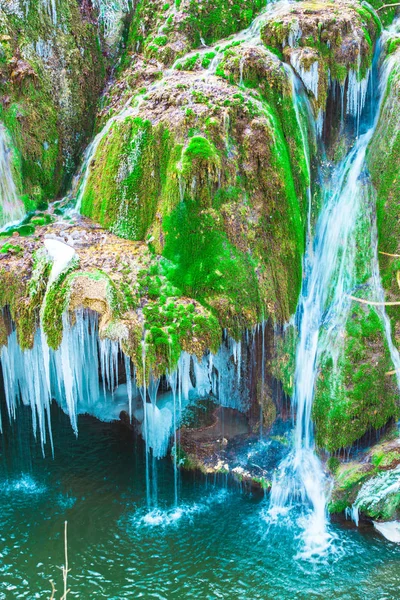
{"type": "Point", "coordinates": [372, 303]}
{"type": "Point", "coordinates": [53, 589]}
{"type": "Point", "coordinates": [388, 253]}
{"type": "Point", "coordinates": [65, 569]}
{"type": "Point", "coordinates": [387, 6]}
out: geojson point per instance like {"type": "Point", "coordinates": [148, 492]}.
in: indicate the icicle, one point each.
{"type": "Point", "coordinates": [319, 123]}
{"type": "Point", "coordinates": [295, 34]}
{"type": "Point", "coordinates": [129, 389]}
{"type": "Point", "coordinates": [241, 65]}
{"type": "Point", "coordinates": [356, 95]}
{"type": "Point", "coordinates": [309, 77]}
{"type": "Point", "coordinates": [173, 382]}
{"type": "Point", "coordinates": [69, 375]}
{"type": "Point", "coordinates": [262, 377]}
{"type": "Point", "coordinates": [111, 13]}
{"type": "Point", "coordinates": [158, 428]}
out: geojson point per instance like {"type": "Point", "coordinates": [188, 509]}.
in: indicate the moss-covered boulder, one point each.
{"type": "Point", "coordinates": [370, 482]}
{"type": "Point", "coordinates": [164, 31]}
{"type": "Point", "coordinates": [123, 281]}
{"type": "Point", "coordinates": [354, 393]}
{"type": "Point", "coordinates": [206, 174]}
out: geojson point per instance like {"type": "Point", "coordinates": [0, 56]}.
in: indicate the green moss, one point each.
{"type": "Point", "coordinates": [207, 58]}
{"type": "Point", "coordinates": [282, 363]}
{"type": "Point", "coordinates": [203, 263]}
{"type": "Point", "coordinates": [213, 20]}
{"type": "Point", "coordinates": [354, 395]}
{"type": "Point", "coordinates": [190, 63]}
{"type": "Point", "coordinates": [54, 305]}
{"type": "Point", "coordinates": [13, 248]}
{"type": "Point", "coordinates": [123, 190]}
{"type": "Point", "coordinates": [199, 149]}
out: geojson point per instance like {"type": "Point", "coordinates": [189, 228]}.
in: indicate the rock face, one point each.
{"type": "Point", "coordinates": [324, 42]}
{"type": "Point", "coordinates": [119, 279]}
{"type": "Point", "coordinates": [51, 72]}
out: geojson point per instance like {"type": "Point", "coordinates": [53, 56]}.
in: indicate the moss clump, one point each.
{"type": "Point", "coordinates": [170, 33]}
{"type": "Point", "coordinates": [283, 360]}
{"type": "Point", "coordinates": [55, 303]}
{"type": "Point", "coordinates": [348, 481]}
{"type": "Point", "coordinates": [13, 248]}
{"type": "Point", "coordinates": [213, 20]}
{"type": "Point", "coordinates": [206, 266]}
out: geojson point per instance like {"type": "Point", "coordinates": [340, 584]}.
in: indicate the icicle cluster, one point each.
{"type": "Point", "coordinates": [70, 375]}
{"type": "Point", "coordinates": [356, 94]}
{"type": "Point", "coordinates": [82, 376]}
{"type": "Point", "coordinates": [110, 15]}
{"type": "Point", "coordinates": [309, 77]}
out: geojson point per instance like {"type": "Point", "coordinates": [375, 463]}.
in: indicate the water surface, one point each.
{"type": "Point", "coordinates": [216, 544]}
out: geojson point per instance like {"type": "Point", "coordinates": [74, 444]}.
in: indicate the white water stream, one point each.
{"type": "Point", "coordinates": [324, 302]}
{"type": "Point", "coordinates": [11, 207]}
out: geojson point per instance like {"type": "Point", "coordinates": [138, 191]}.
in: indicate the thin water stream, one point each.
{"type": "Point", "coordinates": [11, 207]}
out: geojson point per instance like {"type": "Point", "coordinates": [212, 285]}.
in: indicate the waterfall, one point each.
{"type": "Point", "coordinates": [11, 207]}
{"type": "Point", "coordinates": [324, 303]}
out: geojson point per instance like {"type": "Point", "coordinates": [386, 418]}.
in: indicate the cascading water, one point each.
{"type": "Point", "coordinates": [324, 304]}
{"type": "Point", "coordinates": [39, 375]}
{"type": "Point", "coordinates": [11, 207]}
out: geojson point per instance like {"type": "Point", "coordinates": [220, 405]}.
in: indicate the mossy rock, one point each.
{"type": "Point", "coordinates": [354, 395]}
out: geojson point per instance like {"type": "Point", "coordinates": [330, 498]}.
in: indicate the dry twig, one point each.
{"type": "Point", "coordinates": [372, 303]}
{"type": "Point", "coordinates": [387, 6]}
